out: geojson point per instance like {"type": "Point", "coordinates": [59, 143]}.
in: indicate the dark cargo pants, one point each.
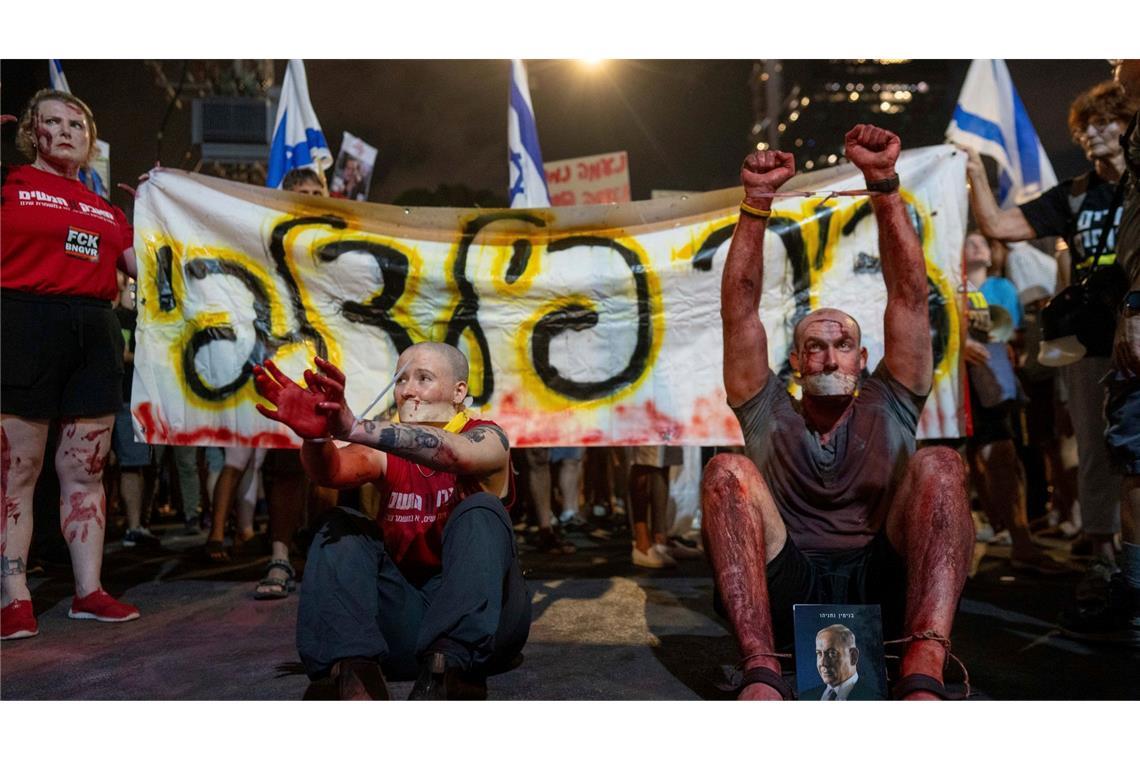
{"type": "Point", "coordinates": [355, 602]}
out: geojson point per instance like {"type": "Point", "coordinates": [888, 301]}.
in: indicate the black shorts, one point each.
{"type": "Point", "coordinates": [990, 424]}
{"type": "Point", "coordinates": [62, 356]}
{"type": "Point", "coordinates": [874, 574]}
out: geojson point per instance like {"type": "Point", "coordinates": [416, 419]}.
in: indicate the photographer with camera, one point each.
{"type": "Point", "coordinates": [1086, 210]}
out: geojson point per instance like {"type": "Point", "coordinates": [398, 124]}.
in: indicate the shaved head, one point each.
{"type": "Point", "coordinates": [453, 357]}
{"type": "Point", "coordinates": [826, 315]}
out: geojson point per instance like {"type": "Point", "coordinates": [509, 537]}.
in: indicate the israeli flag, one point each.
{"type": "Point", "coordinates": [58, 79]}
{"type": "Point", "coordinates": [991, 119]}
{"type": "Point", "coordinates": [298, 141]}
{"type": "Point", "coordinates": [527, 188]}
{"type": "Point", "coordinates": [90, 176]}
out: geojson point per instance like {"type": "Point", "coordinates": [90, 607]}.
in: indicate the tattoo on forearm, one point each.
{"type": "Point", "coordinates": [14, 566]}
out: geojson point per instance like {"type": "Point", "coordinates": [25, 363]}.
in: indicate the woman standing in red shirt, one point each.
{"type": "Point", "coordinates": [62, 351]}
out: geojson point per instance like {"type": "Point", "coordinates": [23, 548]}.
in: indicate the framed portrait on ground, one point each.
{"type": "Point", "coordinates": [839, 652]}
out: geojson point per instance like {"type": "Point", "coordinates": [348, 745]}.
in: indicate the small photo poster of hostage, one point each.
{"type": "Point", "coordinates": [352, 173]}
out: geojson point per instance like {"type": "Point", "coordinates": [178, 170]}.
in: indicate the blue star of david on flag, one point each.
{"type": "Point", "coordinates": [527, 185]}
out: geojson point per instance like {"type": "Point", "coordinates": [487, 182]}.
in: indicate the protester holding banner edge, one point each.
{"type": "Point", "coordinates": [59, 295]}
{"type": "Point", "coordinates": [1086, 210]}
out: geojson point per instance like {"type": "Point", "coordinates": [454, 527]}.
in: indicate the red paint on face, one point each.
{"type": "Point", "coordinates": [79, 518]}
{"type": "Point", "coordinates": [828, 345]}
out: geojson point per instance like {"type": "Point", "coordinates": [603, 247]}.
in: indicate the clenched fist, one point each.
{"type": "Point", "coordinates": [764, 172]}
{"type": "Point", "coordinates": [873, 150]}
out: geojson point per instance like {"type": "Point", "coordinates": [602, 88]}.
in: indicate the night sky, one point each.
{"type": "Point", "coordinates": [685, 124]}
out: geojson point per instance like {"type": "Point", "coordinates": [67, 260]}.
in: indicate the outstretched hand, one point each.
{"type": "Point", "coordinates": [297, 407]}
{"type": "Point", "coordinates": [764, 171]}
{"type": "Point", "coordinates": [330, 382]}
{"type": "Point", "coordinates": [873, 150]}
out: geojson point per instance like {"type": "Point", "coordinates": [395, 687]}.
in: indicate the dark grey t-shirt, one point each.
{"type": "Point", "coordinates": [833, 497]}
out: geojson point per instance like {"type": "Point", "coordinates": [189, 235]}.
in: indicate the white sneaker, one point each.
{"type": "Point", "coordinates": [678, 550]}
{"type": "Point", "coordinates": [652, 558]}
{"type": "Point", "coordinates": [1002, 538]}
{"type": "Point", "coordinates": [1069, 529]}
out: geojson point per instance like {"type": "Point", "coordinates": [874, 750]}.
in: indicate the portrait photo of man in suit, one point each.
{"type": "Point", "coordinates": [837, 660]}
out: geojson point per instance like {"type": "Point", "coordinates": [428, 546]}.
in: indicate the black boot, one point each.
{"type": "Point", "coordinates": [437, 680]}
{"type": "Point", "coordinates": [359, 678]}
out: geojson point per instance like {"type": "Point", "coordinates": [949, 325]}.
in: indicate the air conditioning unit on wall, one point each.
{"type": "Point", "coordinates": [232, 130]}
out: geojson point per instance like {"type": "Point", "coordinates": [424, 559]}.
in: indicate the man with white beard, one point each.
{"type": "Point", "coordinates": [832, 505]}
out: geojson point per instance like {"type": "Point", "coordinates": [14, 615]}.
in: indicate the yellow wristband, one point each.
{"type": "Point", "coordinates": [759, 213]}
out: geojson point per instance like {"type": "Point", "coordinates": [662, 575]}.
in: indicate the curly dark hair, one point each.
{"type": "Point", "coordinates": [1106, 101]}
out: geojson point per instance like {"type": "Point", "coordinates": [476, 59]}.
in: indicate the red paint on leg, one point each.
{"type": "Point", "coordinates": [96, 461]}
{"type": "Point", "coordinates": [96, 434]}
{"type": "Point", "coordinates": [938, 537]}
{"type": "Point", "coordinates": [80, 516]}
{"type": "Point", "coordinates": [734, 535]}
{"type": "Point", "coordinates": [9, 505]}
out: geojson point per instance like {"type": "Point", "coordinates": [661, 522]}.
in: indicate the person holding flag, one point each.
{"type": "Point", "coordinates": [1086, 211]}
{"type": "Point", "coordinates": [990, 119]}
{"type": "Point", "coordinates": [298, 141]}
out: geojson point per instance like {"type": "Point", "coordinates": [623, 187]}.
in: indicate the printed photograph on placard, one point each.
{"type": "Point", "coordinates": [839, 652]}
{"type": "Point", "coordinates": [352, 173]}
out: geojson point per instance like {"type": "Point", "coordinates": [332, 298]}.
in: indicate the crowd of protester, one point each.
{"type": "Point", "coordinates": [1043, 479]}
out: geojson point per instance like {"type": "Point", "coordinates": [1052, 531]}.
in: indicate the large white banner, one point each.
{"type": "Point", "coordinates": [594, 325]}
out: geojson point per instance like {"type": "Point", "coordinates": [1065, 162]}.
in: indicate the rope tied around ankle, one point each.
{"type": "Point", "coordinates": [945, 642]}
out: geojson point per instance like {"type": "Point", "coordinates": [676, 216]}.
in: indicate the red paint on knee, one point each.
{"type": "Point", "coordinates": [96, 461]}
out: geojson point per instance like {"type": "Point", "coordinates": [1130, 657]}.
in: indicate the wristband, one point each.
{"type": "Point", "coordinates": [888, 185]}
{"type": "Point", "coordinates": [759, 213]}
{"type": "Point", "coordinates": [1131, 304]}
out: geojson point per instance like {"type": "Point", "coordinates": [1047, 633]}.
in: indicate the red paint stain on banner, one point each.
{"type": "Point", "coordinates": [157, 430]}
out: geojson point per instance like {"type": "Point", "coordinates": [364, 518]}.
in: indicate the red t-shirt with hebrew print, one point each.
{"type": "Point", "coordinates": [58, 237]}
{"type": "Point", "coordinates": [415, 503]}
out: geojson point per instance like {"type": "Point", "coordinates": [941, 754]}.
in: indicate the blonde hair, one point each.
{"type": "Point", "coordinates": [26, 136]}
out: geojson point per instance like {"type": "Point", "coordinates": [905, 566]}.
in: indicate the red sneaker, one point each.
{"type": "Point", "coordinates": [18, 621]}
{"type": "Point", "coordinates": [99, 605]}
